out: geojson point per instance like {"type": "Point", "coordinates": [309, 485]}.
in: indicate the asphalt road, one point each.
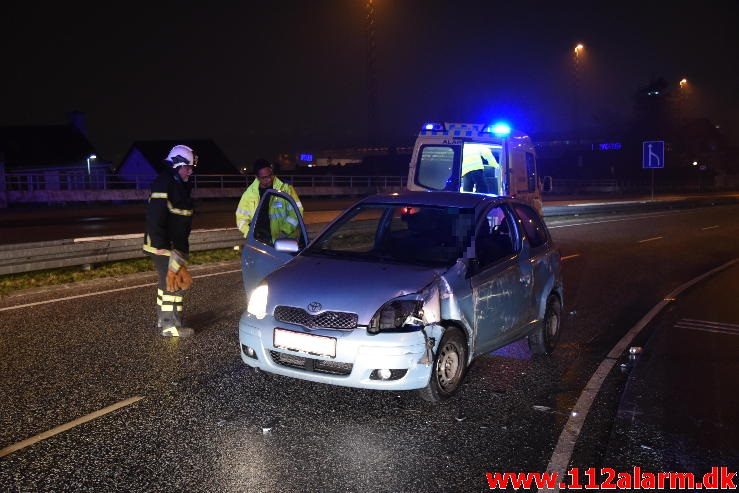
{"type": "Point", "coordinates": [207, 423]}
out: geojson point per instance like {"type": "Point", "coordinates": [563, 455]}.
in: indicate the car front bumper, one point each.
{"type": "Point", "coordinates": [358, 355]}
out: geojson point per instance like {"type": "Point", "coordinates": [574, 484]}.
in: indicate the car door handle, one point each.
{"type": "Point", "coordinates": [525, 280]}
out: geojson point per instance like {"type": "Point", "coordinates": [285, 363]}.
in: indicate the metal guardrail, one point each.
{"type": "Point", "coordinates": [30, 257]}
{"type": "Point", "coordinates": [77, 181]}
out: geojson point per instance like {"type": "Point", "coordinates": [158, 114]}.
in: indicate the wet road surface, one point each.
{"type": "Point", "coordinates": [207, 423]}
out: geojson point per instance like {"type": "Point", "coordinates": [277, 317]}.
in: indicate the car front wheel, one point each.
{"type": "Point", "coordinates": [449, 367]}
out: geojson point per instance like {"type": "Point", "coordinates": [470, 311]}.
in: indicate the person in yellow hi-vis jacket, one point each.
{"type": "Point", "coordinates": [283, 222]}
{"type": "Point", "coordinates": [167, 238]}
{"type": "Point", "coordinates": [474, 159]}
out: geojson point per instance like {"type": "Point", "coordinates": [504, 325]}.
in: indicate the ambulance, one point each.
{"type": "Point", "coordinates": [471, 157]}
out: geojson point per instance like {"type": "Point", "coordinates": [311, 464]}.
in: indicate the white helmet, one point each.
{"type": "Point", "coordinates": [181, 155]}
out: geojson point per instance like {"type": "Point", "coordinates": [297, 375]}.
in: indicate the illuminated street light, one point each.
{"type": "Point", "coordinates": [90, 158]}
{"type": "Point", "coordinates": [682, 98]}
{"type": "Point", "coordinates": [578, 53]}
{"type": "Point", "coordinates": [695, 163]}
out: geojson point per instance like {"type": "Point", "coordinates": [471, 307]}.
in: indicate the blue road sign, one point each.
{"type": "Point", "coordinates": [653, 154]}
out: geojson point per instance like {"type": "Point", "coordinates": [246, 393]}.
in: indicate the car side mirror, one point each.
{"type": "Point", "coordinates": [286, 245]}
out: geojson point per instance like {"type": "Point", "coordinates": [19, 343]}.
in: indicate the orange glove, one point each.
{"type": "Point", "coordinates": [171, 281]}
{"type": "Point", "coordinates": [183, 279]}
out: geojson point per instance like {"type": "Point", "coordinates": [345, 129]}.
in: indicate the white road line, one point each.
{"type": "Point", "coordinates": [590, 204]}
{"type": "Point", "coordinates": [137, 235]}
{"type": "Point", "coordinates": [709, 227]}
{"type": "Point", "coordinates": [715, 330]}
{"type": "Point", "coordinates": [651, 239]}
{"type": "Point", "coordinates": [570, 256]}
{"type": "Point", "coordinates": [566, 444]}
{"type": "Point", "coordinates": [62, 428]}
{"type": "Point", "coordinates": [637, 218]}
{"type": "Point", "coordinates": [708, 322]}
{"type": "Point", "coordinates": [97, 293]}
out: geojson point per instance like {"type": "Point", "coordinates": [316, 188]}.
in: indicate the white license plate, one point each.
{"type": "Point", "coordinates": [306, 343]}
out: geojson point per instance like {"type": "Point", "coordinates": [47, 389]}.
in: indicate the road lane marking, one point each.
{"type": "Point", "coordinates": [651, 239]}
{"type": "Point", "coordinates": [97, 293]}
{"type": "Point", "coordinates": [604, 221]}
{"type": "Point", "coordinates": [133, 236]}
{"type": "Point", "coordinates": [590, 204]}
{"type": "Point", "coordinates": [570, 256]}
{"type": "Point", "coordinates": [709, 227]}
{"type": "Point", "coordinates": [67, 426]}
{"type": "Point", "coordinates": [568, 438]}
{"type": "Point", "coordinates": [707, 326]}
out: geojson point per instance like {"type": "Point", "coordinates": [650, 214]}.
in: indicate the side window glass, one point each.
{"type": "Point", "coordinates": [531, 171]}
{"type": "Point", "coordinates": [532, 225]}
{"type": "Point", "coordinates": [495, 238]}
{"type": "Point", "coordinates": [277, 219]}
{"type": "Point", "coordinates": [435, 167]}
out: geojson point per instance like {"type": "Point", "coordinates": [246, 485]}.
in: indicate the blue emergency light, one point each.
{"type": "Point", "coordinates": [437, 127]}
{"type": "Point", "coordinates": [500, 129]}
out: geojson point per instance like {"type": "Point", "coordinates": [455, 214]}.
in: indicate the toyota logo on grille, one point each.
{"type": "Point", "coordinates": [314, 307]}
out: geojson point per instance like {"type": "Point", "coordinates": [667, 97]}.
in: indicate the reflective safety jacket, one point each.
{"type": "Point", "coordinates": [472, 156]}
{"type": "Point", "coordinates": [168, 215]}
{"type": "Point", "coordinates": [282, 218]}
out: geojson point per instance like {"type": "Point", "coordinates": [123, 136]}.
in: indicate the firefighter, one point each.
{"type": "Point", "coordinates": [282, 221]}
{"type": "Point", "coordinates": [168, 224]}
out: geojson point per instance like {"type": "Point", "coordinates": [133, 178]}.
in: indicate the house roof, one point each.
{"type": "Point", "coordinates": [43, 145]}
{"type": "Point", "coordinates": [211, 159]}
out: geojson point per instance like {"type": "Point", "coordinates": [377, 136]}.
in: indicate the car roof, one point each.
{"type": "Point", "coordinates": [443, 199]}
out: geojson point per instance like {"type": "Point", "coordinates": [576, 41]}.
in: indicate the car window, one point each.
{"type": "Point", "coordinates": [532, 225]}
{"type": "Point", "coordinates": [277, 219]}
{"type": "Point", "coordinates": [412, 234]}
{"type": "Point", "coordinates": [496, 237]}
{"type": "Point", "coordinates": [435, 167]}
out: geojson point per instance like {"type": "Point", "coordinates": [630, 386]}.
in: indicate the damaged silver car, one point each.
{"type": "Point", "coordinates": [400, 292]}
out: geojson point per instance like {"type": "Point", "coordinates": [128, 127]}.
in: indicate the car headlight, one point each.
{"type": "Point", "coordinates": [398, 316]}
{"type": "Point", "coordinates": [258, 302]}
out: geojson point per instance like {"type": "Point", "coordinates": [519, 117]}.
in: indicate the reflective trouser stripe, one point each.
{"type": "Point", "coordinates": [169, 309]}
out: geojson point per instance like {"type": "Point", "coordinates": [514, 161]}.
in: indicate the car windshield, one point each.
{"type": "Point", "coordinates": [408, 233]}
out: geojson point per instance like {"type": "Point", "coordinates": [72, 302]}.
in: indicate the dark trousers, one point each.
{"type": "Point", "coordinates": [169, 303]}
{"type": "Point", "coordinates": [474, 178]}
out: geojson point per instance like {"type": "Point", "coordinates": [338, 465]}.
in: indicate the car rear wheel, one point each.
{"type": "Point", "coordinates": [544, 340]}
{"type": "Point", "coordinates": [448, 369]}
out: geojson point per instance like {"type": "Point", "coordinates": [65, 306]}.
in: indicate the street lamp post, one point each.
{"type": "Point", "coordinates": [682, 94]}
{"type": "Point", "coordinates": [91, 157]}
{"type": "Point", "coordinates": [578, 53]}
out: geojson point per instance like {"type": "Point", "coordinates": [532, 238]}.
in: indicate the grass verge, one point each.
{"type": "Point", "coordinates": [15, 282]}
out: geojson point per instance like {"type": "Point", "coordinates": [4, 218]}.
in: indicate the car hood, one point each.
{"type": "Point", "coordinates": [344, 285]}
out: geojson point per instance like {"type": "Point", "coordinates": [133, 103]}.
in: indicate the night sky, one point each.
{"type": "Point", "coordinates": [268, 76]}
